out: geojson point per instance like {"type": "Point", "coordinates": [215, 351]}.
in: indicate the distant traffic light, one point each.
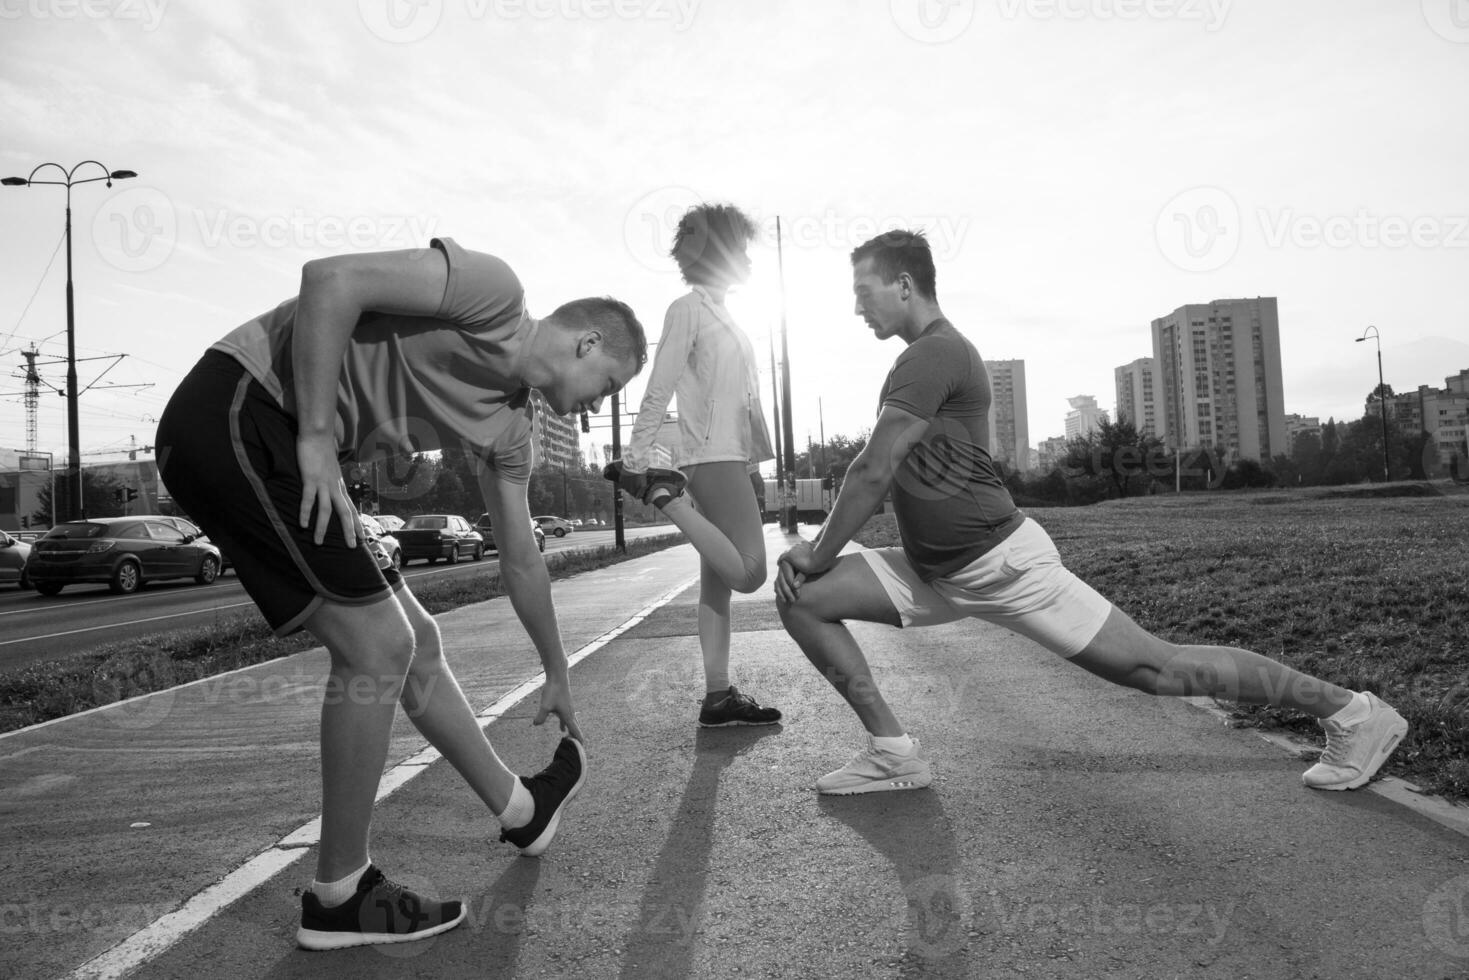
{"type": "Point", "coordinates": [132, 495]}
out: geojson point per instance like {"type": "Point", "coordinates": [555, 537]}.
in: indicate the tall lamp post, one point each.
{"type": "Point", "coordinates": [73, 428]}
{"type": "Point", "coordinates": [1381, 398]}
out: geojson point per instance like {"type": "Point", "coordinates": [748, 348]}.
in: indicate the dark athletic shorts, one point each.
{"type": "Point", "coordinates": [227, 453]}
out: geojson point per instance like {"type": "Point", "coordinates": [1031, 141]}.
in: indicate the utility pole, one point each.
{"type": "Point", "coordinates": [618, 537]}
{"type": "Point", "coordinates": [789, 498]}
{"type": "Point", "coordinates": [776, 505]}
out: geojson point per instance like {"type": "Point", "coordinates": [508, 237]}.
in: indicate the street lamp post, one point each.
{"type": "Point", "coordinates": [73, 427]}
{"type": "Point", "coordinates": [1381, 399]}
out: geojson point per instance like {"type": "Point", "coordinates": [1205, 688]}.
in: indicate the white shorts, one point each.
{"type": "Point", "coordinates": [1020, 584]}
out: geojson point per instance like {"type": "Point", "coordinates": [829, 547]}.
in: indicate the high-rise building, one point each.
{"type": "Point", "coordinates": [1137, 390]}
{"type": "Point", "coordinates": [1443, 413]}
{"type": "Point", "coordinates": [1009, 421]}
{"type": "Point", "coordinates": [1297, 426]}
{"type": "Point", "coordinates": [554, 436]}
{"type": "Point", "coordinates": [1219, 369]}
{"type": "Point", "coordinates": [1051, 453]}
{"type": "Point", "coordinates": [1084, 418]}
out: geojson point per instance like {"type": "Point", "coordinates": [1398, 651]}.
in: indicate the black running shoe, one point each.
{"type": "Point", "coordinates": [643, 485]}
{"type": "Point", "coordinates": [381, 911]}
{"type": "Point", "coordinates": [736, 709]}
{"type": "Point", "coordinates": [551, 788]}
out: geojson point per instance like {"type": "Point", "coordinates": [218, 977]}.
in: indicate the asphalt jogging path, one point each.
{"type": "Point", "coordinates": [1074, 829]}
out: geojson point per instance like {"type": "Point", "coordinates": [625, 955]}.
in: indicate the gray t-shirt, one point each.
{"type": "Point", "coordinates": [420, 384]}
{"type": "Point", "coordinates": [950, 501]}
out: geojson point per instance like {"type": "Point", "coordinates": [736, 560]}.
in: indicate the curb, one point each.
{"type": "Point", "coordinates": [1400, 791]}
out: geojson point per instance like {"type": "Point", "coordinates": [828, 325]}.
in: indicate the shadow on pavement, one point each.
{"type": "Point", "coordinates": [912, 831]}
{"type": "Point", "coordinates": [671, 911]}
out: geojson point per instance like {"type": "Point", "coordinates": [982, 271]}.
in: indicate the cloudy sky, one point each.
{"type": "Point", "coordinates": [1081, 167]}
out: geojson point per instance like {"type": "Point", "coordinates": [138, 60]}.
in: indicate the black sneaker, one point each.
{"type": "Point", "coordinates": [736, 709]}
{"type": "Point", "coordinates": [551, 788]}
{"type": "Point", "coordinates": [643, 485]}
{"type": "Point", "coordinates": [381, 911]}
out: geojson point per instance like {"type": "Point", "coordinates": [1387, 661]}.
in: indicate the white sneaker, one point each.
{"type": "Point", "coordinates": [1355, 752]}
{"type": "Point", "coordinates": [874, 771]}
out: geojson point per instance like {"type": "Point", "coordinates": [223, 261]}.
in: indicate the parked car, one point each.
{"type": "Point", "coordinates": [391, 549]}
{"type": "Point", "coordinates": [484, 527]}
{"type": "Point", "coordinates": [391, 523]}
{"type": "Point", "coordinates": [558, 526]}
{"type": "Point", "coordinates": [13, 555]}
{"type": "Point", "coordinates": [435, 536]}
{"type": "Point", "coordinates": [190, 528]}
{"type": "Point", "coordinates": [123, 552]}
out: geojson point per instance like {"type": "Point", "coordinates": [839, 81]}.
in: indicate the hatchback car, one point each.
{"type": "Point", "coordinates": [487, 531]}
{"type": "Point", "coordinates": [13, 555]}
{"type": "Point", "coordinates": [123, 552]}
{"type": "Point", "coordinates": [558, 526]}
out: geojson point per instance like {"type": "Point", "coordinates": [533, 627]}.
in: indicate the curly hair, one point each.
{"type": "Point", "coordinates": [707, 239]}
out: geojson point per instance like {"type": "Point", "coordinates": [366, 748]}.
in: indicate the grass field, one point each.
{"type": "Point", "coordinates": [1368, 593]}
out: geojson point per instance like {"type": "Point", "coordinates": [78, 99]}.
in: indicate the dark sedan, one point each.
{"type": "Point", "coordinates": [123, 552]}
{"type": "Point", "coordinates": [436, 536]}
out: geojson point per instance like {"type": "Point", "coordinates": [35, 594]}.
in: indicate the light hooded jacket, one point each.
{"type": "Point", "coordinates": [707, 361]}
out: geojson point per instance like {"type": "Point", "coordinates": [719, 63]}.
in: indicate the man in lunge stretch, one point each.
{"type": "Point", "coordinates": [385, 353]}
{"type": "Point", "coordinates": [968, 552]}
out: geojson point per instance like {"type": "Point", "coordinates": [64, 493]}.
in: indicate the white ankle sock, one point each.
{"type": "Point", "coordinates": [332, 893]}
{"type": "Point", "coordinates": [1355, 712]}
{"type": "Point", "coordinates": [894, 744]}
{"type": "Point", "coordinates": [520, 809]}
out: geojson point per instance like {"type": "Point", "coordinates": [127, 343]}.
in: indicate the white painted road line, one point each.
{"type": "Point", "coordinates": [157, 937]}
{"type": "Point", "coordinates": [131, 622]}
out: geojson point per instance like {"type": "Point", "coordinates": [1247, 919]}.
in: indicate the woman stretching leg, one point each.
{"type": "Point", "coordinates": [707, 361]}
